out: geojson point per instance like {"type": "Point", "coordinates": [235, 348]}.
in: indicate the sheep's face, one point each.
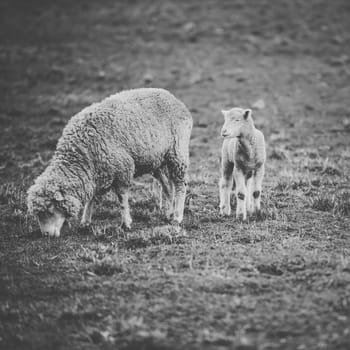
{"type": "Point", "coordinates": [51, 222]}
{"type": "Point", "coordinates": [238, 122]}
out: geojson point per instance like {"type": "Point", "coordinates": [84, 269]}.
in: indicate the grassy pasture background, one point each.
{"type": "Point", "coordinates": [282, 282]}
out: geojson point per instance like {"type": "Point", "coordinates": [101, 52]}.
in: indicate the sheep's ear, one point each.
{"type": "Point", "coordinates": [59, 196]}
{"type": "Point", "coordinates": [225, 113]}
{"type": "Point", "coordinates": [247, 114]}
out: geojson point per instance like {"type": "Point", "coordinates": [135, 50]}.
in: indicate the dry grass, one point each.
{"type": "Point", "coordinates": [278, 281]}
{"type": "Point", "coordinates": [337, 203]}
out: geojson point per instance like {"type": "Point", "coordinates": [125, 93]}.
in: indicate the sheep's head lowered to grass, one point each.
{"type": "Point", "coordinates": [238, 122]}
{"type": "Point", "coordinates": [51, 206]}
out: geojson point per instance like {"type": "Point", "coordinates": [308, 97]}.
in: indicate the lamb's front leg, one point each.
{"type": "Point", "coordinates": [225, 187]}
{"type": "Point", "coordinates": [257, 188]}
{"type": "Point", "coordinates": [250, 200]}
{"type": "Point", "coordinates": [87, 213]}
{"type": "Point", "coordinates": [123, 196]}
{"type": "Point", "coordinates": [241, 194]}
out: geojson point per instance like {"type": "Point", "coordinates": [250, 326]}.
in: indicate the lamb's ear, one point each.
{"type": "Point", "coordinates": [247, 114]}
{"type": "Point", "coordinates": [225, 113]}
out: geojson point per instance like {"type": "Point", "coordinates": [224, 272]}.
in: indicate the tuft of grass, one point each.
{"type": "Point", "coordinates": [335, 203]}
{"type": "Point", "coordinates": [14, 196]}
{"type": "Point", "coordinates": [324, 167]}
{"type": "Point", "coordinates": [278, 154]}
{"type": "Point", "coordinates": [342, 204]}
{"type": "Point", "coordinates": [159, 235]}
{"type": "Point", "coordinates": [145, 209]}
{"type": "Point", "coordinates": [292, 184]}
{"type": "Point", "coordinates": [323, 202]}
{"type": "Point", "coordinates": [270, 208]}
{"type": "Point", "coordinates": [107, 268]}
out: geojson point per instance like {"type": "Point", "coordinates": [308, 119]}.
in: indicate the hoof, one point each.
{"type": "Point", "coordinates": [259, 215]}
{"type": "Point", "coordinates": [126, 227]}
{"type": "Point", "coordinates": [224, 211]}
{"type": "Point", "coordinates": [241, 218]}
{"type": "Point", "coordinates": [51, 235]}
{"type": "Point", "coordinates": [84, 224]}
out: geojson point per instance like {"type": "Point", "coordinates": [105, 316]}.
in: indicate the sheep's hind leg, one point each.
{"type": "Point", "coordinates": [241, 194]}
{"type": "Point", "coordinates": [225, 186]}
{"type": "Point", "coordinates": [257, 188]}
{"type": "Point", "coordinates": [157, 191]}
{"type": "Point", "coordinates": [166, 195]}
{"type": "Point", "coordinates": [178, 175]}
{"type": "Point", "coordinates": [87, 213]}
{"type": "Point", "coordinates": [123, 196]}
{"type": "Point", "coordinates": [124, 170]}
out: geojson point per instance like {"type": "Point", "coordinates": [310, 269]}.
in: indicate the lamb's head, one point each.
{"type": "Point", "coordinates": [52, 206]}
{"type": "Point", "coordinates": [238, 122]}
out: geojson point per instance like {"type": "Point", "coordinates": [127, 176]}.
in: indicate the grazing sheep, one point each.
{"type": "Point", "coordinates": [105, 146]}
{"type": "Point", "coordinates": [242, 163]}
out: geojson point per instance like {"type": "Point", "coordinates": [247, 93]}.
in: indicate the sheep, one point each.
{"type": "Point", "coordinates": [243, 158]}
{"type": "Point", "coordinates": [106, 145]}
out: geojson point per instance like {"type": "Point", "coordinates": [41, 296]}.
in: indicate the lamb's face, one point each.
{"type": "Point", "coordinates": [51, 222]}
{"type": "Point", "coordinates": [238, 122]}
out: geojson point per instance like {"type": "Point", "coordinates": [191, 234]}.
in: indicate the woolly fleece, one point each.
{"type": "Point", "coordinates": [105, 145]}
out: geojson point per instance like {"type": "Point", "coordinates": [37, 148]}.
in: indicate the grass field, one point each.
{"type": "Point", "coordinates": [281, 282]}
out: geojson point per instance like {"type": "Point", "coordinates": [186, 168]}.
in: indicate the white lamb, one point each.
{"type": "Point", "coordinates": [105, 146]}
{"type": "Point", "coordinates": [242, 163]}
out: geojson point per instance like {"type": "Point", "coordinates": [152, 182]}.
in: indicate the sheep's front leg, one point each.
{"type": "Point", "coordinates": [177, 167]}
{"type": "Point", "coordinates": [225, 186]}
{"type": "Point", "coordinates": [179, 201]}
{"type": "Point", "coordinates": [257, 188]}
{"type": "Point", "coordinates": [241, 194]}
{"type": "Point", "coordinates": [123, 196]}
{"type": "Point", "coordinates": [169, 201]}
{"type": "Point", "coordinates": [87, 213]}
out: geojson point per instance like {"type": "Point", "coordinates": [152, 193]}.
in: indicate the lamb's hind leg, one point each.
{"type": "Point", "coordinates": [225, 187]}
{"type": "Point", "coordinates": [257, 188]}
{"type": "Point", "coordinates": [241, 194]}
